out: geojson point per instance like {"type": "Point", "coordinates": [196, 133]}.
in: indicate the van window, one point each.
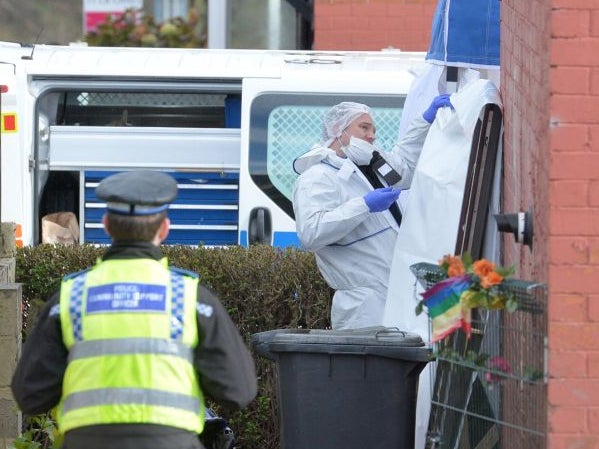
{"type": "Point", "coordinates": [284, 126]}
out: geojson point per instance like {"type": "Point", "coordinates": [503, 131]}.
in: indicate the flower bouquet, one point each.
{"type": "Point", "coordinates": [466, 285]}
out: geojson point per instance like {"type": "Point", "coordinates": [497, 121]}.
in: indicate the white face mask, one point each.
{"type": "Point", "coordinates": [359, 151]}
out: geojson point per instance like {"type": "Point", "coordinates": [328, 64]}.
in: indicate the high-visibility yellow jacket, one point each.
{"type": "Point", "coordinates": [130, 327]}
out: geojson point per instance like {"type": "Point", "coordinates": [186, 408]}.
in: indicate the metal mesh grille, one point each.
{"type": "Point", "coordinates": [153, 99]}
{"type": "Point", "coordinates": [292, 130]}
{"type": "Point", "coordinates": [475, 402]}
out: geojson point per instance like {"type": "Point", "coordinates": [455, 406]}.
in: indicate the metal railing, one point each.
{"type": "Point", "coordinates": [490, 390]}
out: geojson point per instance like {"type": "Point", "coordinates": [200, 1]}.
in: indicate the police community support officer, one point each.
{"type": "Point", "coordinates": [128, 348]}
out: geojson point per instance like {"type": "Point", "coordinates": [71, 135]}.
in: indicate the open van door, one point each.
{"type": "Point", "coordinates": [12, 187]}
{"type": "Point", "coordinates": [282, 119]}
{"type": "Point", "coordinates": [89, 129]}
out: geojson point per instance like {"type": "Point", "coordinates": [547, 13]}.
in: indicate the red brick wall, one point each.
{"type": "Point", "coordinates": [574, 224]}
{"type": "Point", "coordinates": [373, 24]}
{"type": "Point", "coordinates": [550, 89]}
{"type": "Point", "coordinates": [525, 35]}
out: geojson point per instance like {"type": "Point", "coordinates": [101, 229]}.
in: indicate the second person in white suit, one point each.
{"type": "Point", "coordinates": [346, 210]}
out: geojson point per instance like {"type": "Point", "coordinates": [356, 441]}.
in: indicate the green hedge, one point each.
{"type": "Point", "coordinates": [262, 287]}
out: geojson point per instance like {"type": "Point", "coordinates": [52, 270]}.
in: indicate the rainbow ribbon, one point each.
{"type": "Point", "coordinates": [446, 311]}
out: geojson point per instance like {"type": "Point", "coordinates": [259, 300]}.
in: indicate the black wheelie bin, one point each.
{"type": "Point", "coordinates": [346, 389]}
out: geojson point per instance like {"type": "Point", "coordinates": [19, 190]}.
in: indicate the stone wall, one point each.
{"type": "Point", "coordinates": [10, 335]}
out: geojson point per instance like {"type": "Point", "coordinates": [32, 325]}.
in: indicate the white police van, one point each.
{"type": "Point", "coordinates": [225, 123]}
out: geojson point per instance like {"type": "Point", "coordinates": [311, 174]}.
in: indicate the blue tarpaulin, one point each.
{"type": "Point", "coordinates": [465, 33]}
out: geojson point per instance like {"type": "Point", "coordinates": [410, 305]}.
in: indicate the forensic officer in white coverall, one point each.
{"type": "Point", "coordinates": [346, 212]}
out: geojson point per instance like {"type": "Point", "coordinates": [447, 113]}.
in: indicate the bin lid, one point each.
{"type": "Point", "coordinates": [378, 340]}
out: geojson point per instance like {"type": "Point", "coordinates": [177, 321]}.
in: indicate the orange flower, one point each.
{"type": "Point", "coordinates": [456, 269]}
{"type": "Point", "coordinates": [493, 278]}
{"type": "Point", "coordinates": [482, 267]}
{"type": "Point", "coordinates": [454, 265]}
{"type": "Point", "coordinates": [446, 259]}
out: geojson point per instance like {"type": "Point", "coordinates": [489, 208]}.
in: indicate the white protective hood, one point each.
{"type": "Point", "coordinates": [316, 154]}
{"type": "Point", "coordinates": [429, 227]}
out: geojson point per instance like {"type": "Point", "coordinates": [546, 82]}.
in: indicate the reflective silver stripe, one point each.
{"type": "Point", "coordinates": [134, 396]}
{"type": "Point", "coordinates": [93, 348]}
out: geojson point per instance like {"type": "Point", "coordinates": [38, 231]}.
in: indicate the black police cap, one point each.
{"type": "Point", "coordinates": [142, 192]}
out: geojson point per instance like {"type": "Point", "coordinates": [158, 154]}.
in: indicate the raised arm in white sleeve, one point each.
{"type": "Point", "coordinates": [405, 153]}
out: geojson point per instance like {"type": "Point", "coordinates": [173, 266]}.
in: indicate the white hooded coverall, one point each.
{"type": "Point", "coordinates": [353, 247]}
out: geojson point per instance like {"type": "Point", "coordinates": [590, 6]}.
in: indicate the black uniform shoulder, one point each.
{"type": "Point", "coordinates": [183, 272]}
{"type": "Point", "coordinates": [206, 294]}
{"type": "Point", "coordinates": [75, 274]}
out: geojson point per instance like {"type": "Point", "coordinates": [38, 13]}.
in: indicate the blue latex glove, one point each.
{"type": "Point", "coordinates": [381, 199]}
{"type": "Point", "coordinates": [438, 102]}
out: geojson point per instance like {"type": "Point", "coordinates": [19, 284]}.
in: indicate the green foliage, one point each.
{"type": "Point", "coordinates": [41, 268]}
{"type": "Point", "coordinates": [262, 287]}
{"type": "Point", "coordinates": [134, 29]}
{"type": "Point", "coordinates": [471, 358]}
{"type": "Point", "coordinates": [40, 433]}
